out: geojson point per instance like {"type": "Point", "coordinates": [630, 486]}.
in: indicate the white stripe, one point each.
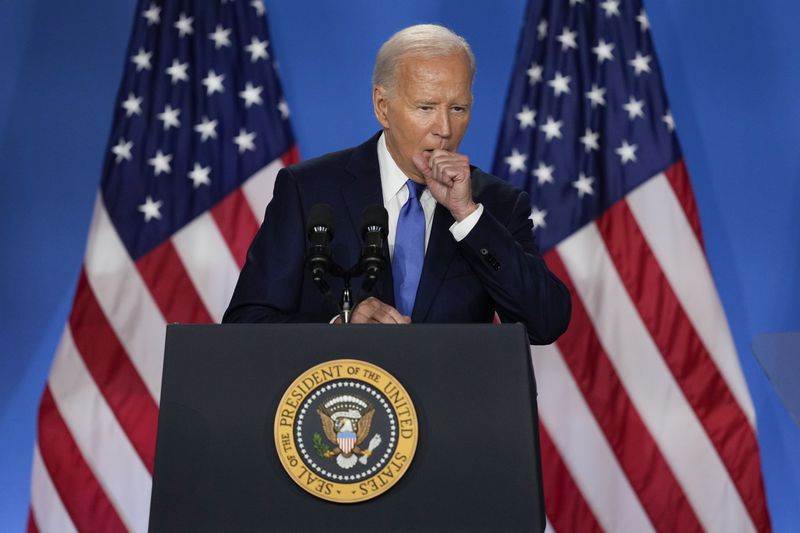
{"type": "Point", "coordinates": [669, 234]}
{"type": "Point", "coordinates": [97, 433]}
{"type": "Point", "coordinates": [125, 299]}
{"type": "Point", "coordinates": [48, 510]}
{"type": "Point", "coordinates": [650, 384]}
{"type": "Point", "coordinates": [209, 263]}
{"type": "Point", "coordinates": [583, 446]}
{"type": "Point", "coordinates": [258, 188]}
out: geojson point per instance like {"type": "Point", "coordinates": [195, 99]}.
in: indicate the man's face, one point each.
{"type": "Point", "coordinates": [429, 110]}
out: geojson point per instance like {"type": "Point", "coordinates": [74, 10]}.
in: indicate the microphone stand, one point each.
{"type": "Point", "coordinates": [347, 302]}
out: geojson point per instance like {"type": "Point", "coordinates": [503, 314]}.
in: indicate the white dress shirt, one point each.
{"type": "Point", "coordinates": [395, 195]}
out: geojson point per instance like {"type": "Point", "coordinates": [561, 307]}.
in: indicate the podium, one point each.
{"type": "Point", "coordinates": [476, 466]}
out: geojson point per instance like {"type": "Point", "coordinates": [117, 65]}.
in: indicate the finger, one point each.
{"type": "Point", "coordinates": [364, 311]}
{"type": "Point", "coordinates": [422, 162]}
{"type": "Point", "coordinates": [390, 315]}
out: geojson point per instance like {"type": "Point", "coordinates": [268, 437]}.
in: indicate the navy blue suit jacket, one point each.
{"type": "Point", "coordinates": [497, 267]}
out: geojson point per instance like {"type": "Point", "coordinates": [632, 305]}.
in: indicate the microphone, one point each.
{"type": "Point", "coordinates": [320, 233]}
{"type": "Point", "coordinates": [374, 229]}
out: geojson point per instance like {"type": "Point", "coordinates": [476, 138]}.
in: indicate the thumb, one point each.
{"type": "Point", "coordinates": [421, 162]}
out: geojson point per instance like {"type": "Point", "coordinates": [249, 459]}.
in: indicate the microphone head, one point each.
{"type": "Point", "coordinates": [320, 216]}
{"type": "Point", "coordinates": [374, 218]}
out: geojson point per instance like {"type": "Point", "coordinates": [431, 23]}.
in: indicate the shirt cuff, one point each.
{"type": "Point", "coordinates": [461, 229]}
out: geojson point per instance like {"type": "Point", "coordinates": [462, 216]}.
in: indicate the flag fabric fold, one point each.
{"type": "Point", "coordinates": [200, 130]}
{"type": "Point", "coordinates": [647, 423]}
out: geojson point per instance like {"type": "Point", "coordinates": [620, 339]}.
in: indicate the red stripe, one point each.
{"type": "Point", "coordinates": [32, 527]}
{"type": "Point", "coordinates": [236, 223]}
{"type": "Point", "coordinates": [291, 157]}
{"type": "Point", "coordinates": [82, 496]}
{"type": "Point", "coordinates": [564, 503]}
{"type": "Point", "coordinates": [649, 473]}
{"type": "Point", "coordinates": [173, 291]}
{"type": "Point", "coordinates": [684, 353]}
{"type": "Point", "coordinates": [113, 372]}
{"type": "Point", "coordinates": [678, 178]}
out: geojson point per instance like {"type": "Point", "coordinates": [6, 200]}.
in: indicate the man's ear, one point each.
{"type": "Point", "coordinates": [380, 105]}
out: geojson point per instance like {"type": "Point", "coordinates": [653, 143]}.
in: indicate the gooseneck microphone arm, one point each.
{"type": "Point", "coordinates": [319, 259]}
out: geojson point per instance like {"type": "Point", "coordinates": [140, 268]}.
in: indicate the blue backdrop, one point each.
{"type": "Point", "coordinates": [732, 72]}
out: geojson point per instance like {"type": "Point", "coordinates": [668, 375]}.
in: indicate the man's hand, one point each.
{"type": "Point", "coordinates": [374, 311]}
{"type": "Point", "coordinates": [447, 176]}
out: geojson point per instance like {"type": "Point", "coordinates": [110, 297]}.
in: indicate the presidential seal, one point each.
{"type": "Point", "coordinates": [346, 431]}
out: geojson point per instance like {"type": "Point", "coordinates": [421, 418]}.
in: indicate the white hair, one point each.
{"type": "Point", "coordinates": [422, 40]}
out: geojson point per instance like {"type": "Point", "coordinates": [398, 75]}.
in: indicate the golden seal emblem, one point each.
{"type": "Point", "coordinates": [346, 431]}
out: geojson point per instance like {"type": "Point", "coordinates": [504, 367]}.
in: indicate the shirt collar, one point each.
{"type": "Point", "coordinates": [392, 178]}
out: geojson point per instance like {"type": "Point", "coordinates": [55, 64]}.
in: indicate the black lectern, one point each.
{"type": "Point", "coordinates": [476, 466]}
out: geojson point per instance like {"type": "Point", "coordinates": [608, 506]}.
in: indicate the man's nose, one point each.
{"type": "Point", "coordinates": [442, 124]}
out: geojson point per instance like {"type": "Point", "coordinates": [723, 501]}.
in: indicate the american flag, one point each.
{"type": "Point", "coordinates": [646, 420]}
{"type": "Point", "coordinates": [200, 131]}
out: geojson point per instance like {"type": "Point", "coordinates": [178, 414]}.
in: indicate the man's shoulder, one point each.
{"type": "Point", "coordinates": [329, 165]}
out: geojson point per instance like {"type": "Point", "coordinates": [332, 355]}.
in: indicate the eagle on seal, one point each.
{"type": "Point", "coordinates": [347, 435]}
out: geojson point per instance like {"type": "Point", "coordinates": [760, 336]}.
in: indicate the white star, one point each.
{"type": "Point", "coordinates": [257, 49]}
{"type": "Point", "coordinates": [669, 121]}
{"type": "Point", "coordinates": [627, 152]}
{"type": "Point", "coordinates": [153, 14]}
{"type": "Point", "coordinates": [526, 117]}
{"type": "Point", "coordinates": [541, 30]}
{"type": "Point", "coordinates": [142, 60]}
{"type": "Point", "coordinates": [597, 95]}
{"type": "Point", "coordinates": [170, 117]}
{"type": "Point", "coordinates": [258, 5]}
{"type": "Point", "coordinates": [221, 37]}
{"type": "Point", "coordinates": [213, 83]}
{"type": "Point", "coordinates": [245, 141]}
{"type": "Point", "coordinates": [251, 95]}
{"type": "Point", "coordinates": [534, 73]}
{"type": "Point", "coordinates": [544, 173]}
{"type": "Point", "coordinates": [199, 175]}
{"type": "Point", "coordinates": [516, 161]}
{"type": "Point", "coordinates": [635, 108]}
{"type": "Point", "coordinates": [177, 71]}
{"type": "Point", "coordinates": [207, 129]}
{"type": "Point", "coordinates": [584, 185]}
{"type": "Point", "coordinates": [122, 150]}
{"type": "Point", "coordinates": [151, 209]}
{"type": "Point", "coordinates": [552, 129]}
{"type": "Point", "coordinates": [184, 25]}
{"type": "Point", "coordinates": [132, 105]}
{"type": "Point", "coordinates": [567, 39]}
{"type": "Point", "coordinates": [560, 84]}
{"type": "Point", "coordinates": [644, 22]}
{"type": "Point", "coordinates": [161, 163]}
{"type": "Point", "coordinates": [611, 7]}
{"type": "Point", "coordinates": [283, 108]}
{"type": "Point", "coordinates": [537, 217]}
{"type": "Point", "coordinates": [640, 63]}
{"type": "Point", "coordinates": [604, 51]}
{"type": "Point", "coordinates": [590, 140]}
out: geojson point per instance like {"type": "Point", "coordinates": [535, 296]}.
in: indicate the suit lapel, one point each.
{"type": "Point", "coordinates": [440, 252]}
{"type": "Point", "coordinates": [363, 190]}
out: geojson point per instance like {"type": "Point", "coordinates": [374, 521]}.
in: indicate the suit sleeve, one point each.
{"type": "Point", "coordinates": [513, 272]}
{"type": "Point", "coordinates": [270, 286]}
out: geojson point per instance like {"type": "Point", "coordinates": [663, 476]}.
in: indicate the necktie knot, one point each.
{"type": "Point", "coordinates": [414, 189]}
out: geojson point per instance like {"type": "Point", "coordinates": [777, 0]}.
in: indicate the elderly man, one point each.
{"type": "Point", "coordinates": [460, 240]}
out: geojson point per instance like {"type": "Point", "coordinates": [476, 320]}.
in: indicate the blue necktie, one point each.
{"type": "Point", "coordinates": [409, 249]}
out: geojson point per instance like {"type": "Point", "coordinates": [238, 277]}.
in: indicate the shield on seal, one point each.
{"type": "Point", "coordinates": [346, 441]}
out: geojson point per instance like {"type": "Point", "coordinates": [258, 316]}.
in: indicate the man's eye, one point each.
{"type": "Point", "coordinates": [459, 109]}
{"type": "Point", "coordinates": [425, 107]}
